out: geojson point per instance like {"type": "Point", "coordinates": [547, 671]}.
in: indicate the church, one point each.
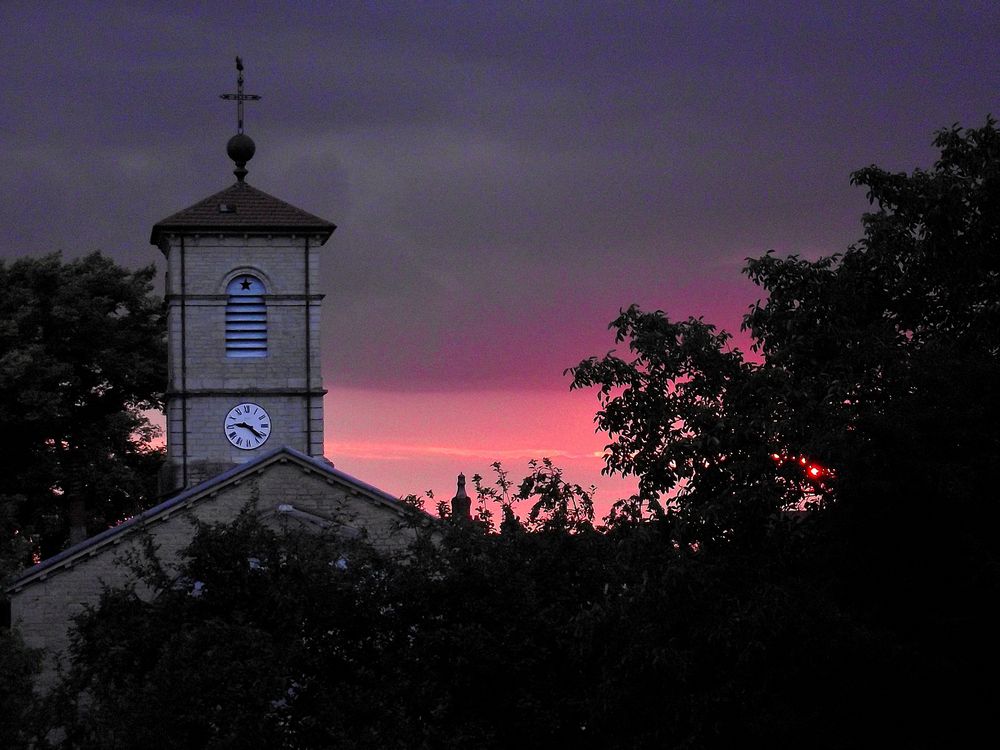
{"type": "Point", "coordinates": [244, 403]}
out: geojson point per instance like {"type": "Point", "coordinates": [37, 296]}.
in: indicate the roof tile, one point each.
{"type": "Point", "coordinates": [241, 208]}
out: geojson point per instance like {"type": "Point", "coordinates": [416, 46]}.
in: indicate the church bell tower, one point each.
{"type": "Point", "coordinates": [242, 325]}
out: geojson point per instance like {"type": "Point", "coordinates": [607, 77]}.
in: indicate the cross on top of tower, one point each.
{"type": "Point", "coordinates": [239, 97]}
{"type": "Point", "coordinates": [241, 146]}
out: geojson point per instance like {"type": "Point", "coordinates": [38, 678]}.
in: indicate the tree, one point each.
{"type": "Point", "coordinates": [555, 636]}
{"type": "Point", "coordinates": [877, 362]}
{"type": "Point", "coordinates": [217, 656]}
{"type": "Point", "coordinates": [82, 358]}
{"type": "Point", "coordinates": [18, 666]}
{"type": "Point", "coordinates": [879, 373]}
{"type": "Point", "coordinates": [890, 349]}
{"type": "Point", "coordinates": [694, 422]}
{"type": "Point", "coordinates": [553, 503]}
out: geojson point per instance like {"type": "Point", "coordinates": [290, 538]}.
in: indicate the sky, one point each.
{"type": "Point", "coordinates": [504, 176]}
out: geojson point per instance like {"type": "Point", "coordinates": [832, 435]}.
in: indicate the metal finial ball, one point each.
{"type": "Point", "coordinates": [241, 148]}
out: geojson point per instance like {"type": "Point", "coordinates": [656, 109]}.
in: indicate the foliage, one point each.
{"type": "Point", "coordinates": [880, 364]}
{"type": "Point", "coordinates": [553, 503]}
{"type": "Point", "coordinates": [273, 639]}
{"type": "Point", "coordinates": [877, 363]}
{"type": "Point", "coordinates": [18, 666]}
{"type": "Point", "coordinates": [694, 422]}
{"type": "Point", "coordinates": [82, 357]}
{"type": "Point", "coordinates": [15, 546]}
{"type": "Point", "coordinates": [890, 349]}
{"type": "Point", "coordinates": [215, 656]}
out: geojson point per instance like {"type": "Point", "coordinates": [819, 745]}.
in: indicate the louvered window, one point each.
{"type": "Point", "coordinates": [246, 318]}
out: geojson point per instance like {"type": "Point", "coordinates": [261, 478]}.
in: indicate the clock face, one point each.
{"type": "Point", "coordinates": [247, 426]}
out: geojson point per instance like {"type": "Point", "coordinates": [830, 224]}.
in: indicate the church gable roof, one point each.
{"type": "Point", "coordinates": [210, 488]}
{"type": "Point", "coordinates": [242, 208]}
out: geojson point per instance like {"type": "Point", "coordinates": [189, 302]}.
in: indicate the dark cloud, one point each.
{"type": "Point", "coordinates": [504, 176]}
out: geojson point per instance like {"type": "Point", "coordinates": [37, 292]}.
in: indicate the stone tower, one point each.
{"type": "Point", "coordinates": [243, 329]}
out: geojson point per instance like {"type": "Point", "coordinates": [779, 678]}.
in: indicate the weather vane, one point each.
{"type": "Point", "coordinates": [239, 97]}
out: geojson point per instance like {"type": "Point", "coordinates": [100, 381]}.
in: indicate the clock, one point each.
{"type": "Point", "coordinates": [247, 426]}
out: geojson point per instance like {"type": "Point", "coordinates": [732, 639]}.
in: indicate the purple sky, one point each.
{"type": "Point", "coordinates": [505, 176]}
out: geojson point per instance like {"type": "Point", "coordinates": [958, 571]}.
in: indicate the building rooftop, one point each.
{"type": "Point", "coordinates": [205, 490]}
{"type": "Point", "coordinates": [239, 209]}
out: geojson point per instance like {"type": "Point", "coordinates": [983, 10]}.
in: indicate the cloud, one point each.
{"type": "Point", "coordinates": [504, 177]}
{"type": "Point", "coordinates": [389, 451]}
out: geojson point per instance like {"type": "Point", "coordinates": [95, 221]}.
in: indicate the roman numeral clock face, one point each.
{"type": "Point", "coordinates": [247, 426]}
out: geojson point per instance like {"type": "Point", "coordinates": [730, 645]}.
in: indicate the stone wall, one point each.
{"type": "Point", "coordinates": [287, 382]}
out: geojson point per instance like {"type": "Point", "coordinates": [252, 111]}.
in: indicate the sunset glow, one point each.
{"type": "Point", "coordinates": [411, 442]}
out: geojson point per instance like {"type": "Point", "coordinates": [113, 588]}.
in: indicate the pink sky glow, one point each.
{"type": "Point", "coordinates": [409, 442]}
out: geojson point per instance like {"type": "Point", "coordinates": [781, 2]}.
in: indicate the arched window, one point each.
{"type": "Point", "coordinates": [246, 318]}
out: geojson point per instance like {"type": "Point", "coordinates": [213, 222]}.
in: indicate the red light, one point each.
{"type": "Point", "coordinates": [810, 470]}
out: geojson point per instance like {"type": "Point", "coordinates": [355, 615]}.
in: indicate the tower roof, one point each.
{"type": "Point", "coordinates": [242, 209]}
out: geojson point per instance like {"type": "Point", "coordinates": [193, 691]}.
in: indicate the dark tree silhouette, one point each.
{"type": "Point", "coordinates": [881, 365]}
{"type": "Point", "coordinates": [877, 362]}
{"type": "Point", "coordinates": [82, 357]}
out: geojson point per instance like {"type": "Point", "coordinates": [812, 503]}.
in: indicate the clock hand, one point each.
{"type": "Point", "coordinates": [248, 427]}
